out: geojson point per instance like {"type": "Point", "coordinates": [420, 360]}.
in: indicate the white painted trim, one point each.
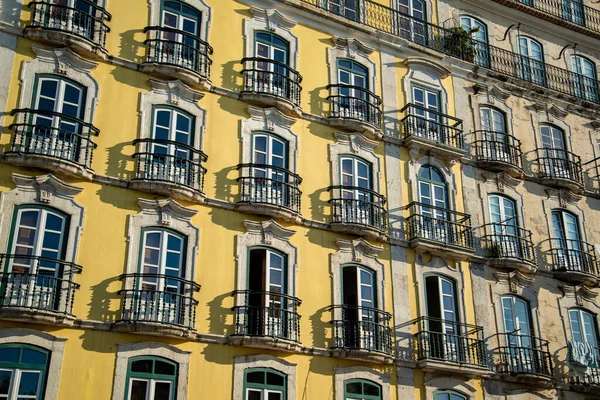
{"type": "Point", "coordinates": [242, 363]}
{"type": "Point", "coordinates": [368, 374]}
{"type": "Point", "coordinates": [199, 5]}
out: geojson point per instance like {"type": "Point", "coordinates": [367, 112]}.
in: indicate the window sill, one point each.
{"type": "Point", "coordinates": [441, 150]}
{"type": "Point", "coordinates": [441, 249]}
{"type": "Point", "coordinates": [368, 232]}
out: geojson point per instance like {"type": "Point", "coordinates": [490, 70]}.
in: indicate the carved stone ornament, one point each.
{"type": "Point", "coordinates": [273, 18]}
{"type": "Point", "coordinates": [595, 124]}
{"type": "Point", "coordinates": [271, 117]}
{"type": "Point", "coordinates": [580, 293]}
{"type": "Point", "coordinates": [175, 91]}
{"type": "Point", "coordinates": [356, 141]}
{"type": "Point", "coordinates": [359, 248]}
{"type": "Point", "coordinates": [438, 69]}
{"type": "Point", "coordinates": [46, 186]}
{"type": "Point", "coordinates": [557, 112]}
{"type": "Point", "coordinates": [268, 230]}
{"type": "Point", "coordinates": [500, 179]}
{"type": "Point", "coordinates": [352, 46]}
{"type": "Point", "coordinates": [564, 196]}
{"type": "Point", "coordinates": [64, 60]}
{"type": "Point", "coordinates": [515, 280]}
{"type": "Point", "coordinates": [166, 209]}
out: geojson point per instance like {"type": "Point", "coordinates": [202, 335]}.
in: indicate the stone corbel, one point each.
{"type": "Point", "coordinates": [175, 91]}
{"type": "Point", "coordinates": [166, 210]}
{"type": "Point", "coordinates": [356, 141]}
{"type": "Point", "coordinates": [501, 179]}
{"type": "Point", "coordinates": [271, 117]}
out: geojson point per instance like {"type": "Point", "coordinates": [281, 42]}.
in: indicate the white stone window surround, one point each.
{"type": "Point", "coordinates": [351, 49]}
{"type": "Point", "coordinates": [272, 21]}
{"type": "Point", "coordinates": [414, 166]}
{"type": "Point", "coordinates": [354, 144]}
{"type": "Point", "coordinates": [269, 120]}
{"type": "Point", "coordinates": [199, 5]}
{"type": "Point", "coordinates": [435, 385]}
{"type": "Point", "coordinates": [61, 63]}
{"type": "Point", "coordinates": [43, 190]}
{"type": "Point", "coordinates": [368, 374]}
{"type": "Point", "coordinates": [242, 363]}
{"type": "Point", "coordinates": [361, 253]}
{"type": "Point", "coordinates": [526, 31]}
{"type": "Point", "coordinates": [126, 351]}
{"type": "Point", "coordinates": [265, 234]}
{"type": "Point", "coordinates": [177, 95]}
{"type": "Point", "coordinates": [427, 74]}
{"type": "Point", "coordinates": [161, 214]}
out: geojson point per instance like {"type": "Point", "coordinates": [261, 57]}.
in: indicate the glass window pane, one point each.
{"type": "Point", "coordinates": [254, 394]}
{"type": "Point", "coordinates": [274, 396]}
{"type": "Point", "coordinates": [29, 383]}
{"type": "Point", "coordinates": [143, 366]}
{"type": "Point", "coordinates": [255, 377]}
{"type": "Point", "coordinates": [371, 390]}
{"type": "Point", "coordinates": [33, 357]}
{"type": "Point", "coordinates": [48, 88]}
{"type": "Point", "coordinates": [174, 243]}
{"type": "Point", "coordinates": [5, 377]}
{"type": "Point", "coordinates": [354, 388]}
{"type": "Point", "coordinates": [162, 391]}
{"type": "Point", "coordinates": [275, 379]}
{"type": "Point", "coordinates": [9, 355]}
{"type": "Point", "coordinates": [164, 368]}
{"type": "Point", "coordinates": [153, 239]}
{"type": "Point", "coordinates": [138, 389]}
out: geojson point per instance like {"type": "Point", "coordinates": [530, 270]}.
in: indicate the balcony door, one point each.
{"type": "Point", "coordinates": [180, 36]}
{"type": "Point", "coordinates": [357, 199]}
{"type": "Point", "coordinates": [37, 252]}
{"type": "Point", "coordinates": [346, 8]}
{"type": "Point", "coordinates": [567, 241]}
{"type": "Point", "coordinates": [159, 287]}
{"type": "Point", "coordinates": [442, 314]}
{"type": "Point", "coordinates": [353, 78]}
{"type": "Point", "coordinates": [360, 303]}
{"type": "Point", "coordinates": [57, 119]}
{"type": "Point", "coordinates": [555, 161]}
{"type": "Point", "coordinates": [586, 84]}
{"type": "Point", "coordinates": [434, 203]}
{"type": "Point", "coordinates": [268, 308]}
{"type": "Point", "coordinates": [521, 352]}
{"type": "Point", "coordinates": [531, 64]}
{"type": "Point", "coordinates": [572, 10]}
{"type": "Point", "coordinates": [412, 20]}
{"type": "Point", "coordinates": [272, 76]}
{"type": "Point", "coordinates": [479, 40]}
{"type": "Point", "coordinates": [427, 119]}
{"type": "Point", "coordinates": [76, 16]}
{"type": "Point", "coordinates": [505, 226]}
{"type": "Point", "coordinates": [269, 156]}
{"type": "Point", "coordinates": [495, 146]}
{"type": "Point", "coordinates": [583, 329]}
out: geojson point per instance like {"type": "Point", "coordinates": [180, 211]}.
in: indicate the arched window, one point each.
{"type": "Point", "coordinates": [361, 389]}
{"type": "Point", "coordinates": [153, 378]}
{"type": "Point", "coordinates": [583, 327]}
{"type": "Point", "coordinates": [264, 384]}
{"type": "Point", "coordinates": [532, 66]}
{"type": "Point", "coordinates": [359, 314]}
{"type": "Point", "coordinates": [586, 84]}
{"type": "Point", "coordinates": [272, 54]}
{"type": "Point", "coordinates": [568, 250]}
{"type": "Point", "coordinates": [555, 161]}
{"type": "Point", "coordinates": [269, 172]}
{"type": "Point", "coordinates": [448, 395]}
{"type": "Point", "coordinates": [522, 348]}
{"type": "Point", "coordinates": [496, 142]}
{"type": "Point", "coordinates": [23, 370]}
{"type": "Point", "coordinates": [442, 318]}
{"type": "Point", "coordinates": [505, 225]}
{"type": "Point", "coordinates": [433, 203]}
{"type": "Point", "coordinates": [355, 191]}
{"type": "Point", "coordinates": [351, 98]}
{"type": "Point", "coordinates": [479, 34]}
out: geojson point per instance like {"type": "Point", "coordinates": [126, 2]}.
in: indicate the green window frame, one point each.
{"type": "Point", "coordinates": [448, 395]}
{"type": "Point", "coordinates": [361, 389]}
{"type": "Point", "coordinates": [151, 375]}
{"type": "Point", "coordinates": [271, 382]}
{"type": "Point", "coordinates": [23, 371]}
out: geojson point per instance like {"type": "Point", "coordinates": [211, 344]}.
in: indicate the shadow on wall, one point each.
{"type": "Point", "coordinates": [219, 310]}
{"type": "Point", "coordinates": [105, 297]}
{"type": "Point", "coordinates": [118, 163]}
{"type": "Point", "coordinates": [320, 322]}
{"type": "Point", "coordinates": [231, 76]}
{"type": "Point", "coordinates": [225, 180]}
{"type": "Point", "coordinates": [319, 201]}
{"type": "Point", "coordinates": [317, 101]}
{"type": "Point", "coordinates": [130, 46]}
{"type": "Point", "coordinates": [10, 11]}
{"type": "Point", "coordinates": [404, 342]}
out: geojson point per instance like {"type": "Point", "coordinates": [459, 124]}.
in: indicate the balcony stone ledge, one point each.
{"type": "Point", "coordinates": [446, 367]}
{"type": "Point", "coordinates": [419, 144]}
{"type": "Point", "coordinates": [525, 378]}
{"type": "Point", "coordinates": [154, 329]}
{"type": "Point", "coordinates": [363, 355]}
{"type": "Point", "coordinates": [36, 316]}
{"type": "Point", "coordinates": [78, 44]}
{"type": "Point", "coordinates": [265, 342]}
{"type": "Point", "coordinates": [282, 104]}
{"type": "Point", "coordinates": [576, 276]}
{"type": "Point", "coordinates": [171, 72]}
{"type": "Point", "coordinates": [172, 189]}
{"type": "Point", "coordinates": [368, 232]}
{"type": "Point", "coordinates": [370, 131]}
{"type": "Point", "coordinates": [564, 183]}
{"type": "Point", "coordinates": [48, 163]}
{"type": "Point", "coordinates": [509, 263]}
{"type": "Point", "coordinates": [270, 210]}
{"type": "Point", "coordinates": [422, 245]}
{"type": "Point", "coordinates": [588, 388]}
{"type": "Point", "coordinates": [512, 170]}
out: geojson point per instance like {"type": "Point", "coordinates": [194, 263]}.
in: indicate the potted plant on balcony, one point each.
{"type": "Point", "coordinates": [459, 43]}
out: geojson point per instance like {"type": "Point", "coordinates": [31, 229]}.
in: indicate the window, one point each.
{"type": "Point", "coordinates": [428, 122]}
{"type": "Point", "coordinates": [346, 8]}
{"type": "Point", "coordinates": [566, 242]}
{"type": "Point", "coordinates": [36, 258]}
{"type": "Point", "coordinates": [23, 370]}
{"type": "Point", "coordinates": [442, 317]}
{"type": "Point", "coordinates": [572, 10]}
{"type": "Point", "coordinates": [76, 16]}
{"type": "Point", "coordinates": [180, 30]}
{"type": "Point", "coordinates": [448, 395]}
{"type": "Point", "coordinates": [555, 160]}
{"type": "Point", "coordinates": [360, 316]}
{"type": "Point", "coordinates": [479, 34]}
{"type": "Point", "coordinates": [151, 378]}
{"type": "Point", "coordinates": [59, 107]}
{"type": "Point", "coordinates": [583, 327]}
{"type": "Point", "coordinates": [272, 75]}
{"type": "Point", "coordinates": [434, 203]}
{"type": "Point", "coordinates": [413, 28]}
{"type": "Point", "coordinates": [505, 226]}
{"type": "Point", "coordinates": [496, 144]}
{"type": "Point", "coordinates": [586, 85]}
{"type": "Point", "coordinates": [354, 83]}
{"type": "Point", "coordinates": [264, 384]}
{"type": "Point", "coordinates": [522, 354]}
{"type": "Point", "coordinates": [356, 190]}
{"type": "Point", "coordinates": [269, 171]}
{"type": "Point", "coordinates": [531, 67]}
{"type": "Point", "coordinates": [360, 389]}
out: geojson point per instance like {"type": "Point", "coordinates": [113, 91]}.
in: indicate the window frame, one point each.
{"type": "Point", "coordinates": [580, 312]}
{"type": "Point", "coordinates": [265, 387]}
{"type": "Point", "coordinates": [18, 368]}
{"type": "Point", "coordinates": [449, 392]}
{"type": "Point", "coordinates": [361, 396]}
{"type": "Point", "coordinates": [151, 377]}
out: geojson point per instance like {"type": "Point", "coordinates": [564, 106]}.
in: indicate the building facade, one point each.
{"type": "Point", "coordinates": [339, 196]}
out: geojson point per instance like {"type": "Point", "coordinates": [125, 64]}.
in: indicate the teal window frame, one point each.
{"type": "Point", "coordinates": [271, 39]}
{"type": "Point", "coordinates": [152, 376]}
{"type": "Point", "coordinates": [265, 386]}
{"type": "Point", "coordinates": [361, 396]}
{"type": "Point", "coordinates": [43, 368]}
{"type": "Point", "coordinates": [452, 395]}
{"type": "Point", "coordinates": [355, 68]}
{"type": "Point", "coordinates": [181, 10]}
{"type": "Point", "coordinates": [83, 88]}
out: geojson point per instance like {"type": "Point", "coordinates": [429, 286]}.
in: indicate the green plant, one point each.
{"type": "Point", "coordinates": [459, 43]}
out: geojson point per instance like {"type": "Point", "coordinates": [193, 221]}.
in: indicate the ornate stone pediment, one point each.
{"type": "Point", "coordinates": [271, 117]}
{"type": "Point", "coordinates": [356, 141]}
{"type": "Point", "coordinates": [360, 248]}
{"type": "Point", "coordinates": [273, 18]}
{"type": "Point", "coordinates": [352, 46]}
{"type": "Point", "coordinates": [46, 186]}
{"type": "Point", "coordinates": [166, 209]}
{"type": "Point", "coordinates": [64, 60]}
{"type": "Point", "coordinates": [514, 280]}
{"type": "Point", "coordinates": [563, 196]}
{"type": "Point", "coordinates": [580, 293]}
{"type": "Point", "coordinates": [175, 91]}
{"type": "Point", "coordinates": [501, 179]}
{"type": "Point", "coordinates": [268, 230]}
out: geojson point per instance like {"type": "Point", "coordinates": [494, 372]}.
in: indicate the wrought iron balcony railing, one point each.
{"type": "Point", "coordinates": [358, 206]}
{"type": "Point", "coordinates": [355, 103]}
{"type": "Point", "coordinates": [264, 76]}
{"type": "Point", "coordinates": [450, 342]}
{"type": "Point", "coordinates": [159, 299]}
{"type": "Point", "coordinates": [506, 241]}
{"type": "Point", "coordinates": [431, 125]}
{"type": "Point", "coordinates": [498, 147]}
{"type": "Point", "coordinates": [523, 355]}
{"type": "Point", "coordinates": [447, 41]}
{"type": "Point", "coordinates": [438, 225]}
{"type": "Point", "coordinates": [54, 135]}
{"type": "Point", "coordinates": [171, 162]}
{"type": "Point", "coordinates": [266, 314]}
{"type": "Point", "coordinates": [52, 288]}
{"type": "Point", "coordinates": [170, 46]}
{"type": "Point", "coordinates": [591, 377]}
{"type": "Point", "coordinates": [559, 164]}
{"type": "Point", "coordinates": [573, 256]}
{"type": "Point", "coordinates": [591, 171]}
{"type": "Point", "coordinates": [361, 328]}
{"type": "Point", "coordinates": [267, 184]}
{"type": "Point", "coordinates": [86, 20]}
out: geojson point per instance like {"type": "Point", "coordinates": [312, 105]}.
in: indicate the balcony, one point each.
{"type": "Point", "coordinates": [175, 54]}
{"type": "Point", "coordinates": [46, 297]}
{"type": "Point", "coordinates": [574, 261]}
{"type": "Point", "coordinates": [560, 169]}
{"type": "Point", "coordinates": [509, 247]}
{"type": "Point", "coordinates": [589, 380]}
{"type": "Point", "coordinates": [158, 305]}
{"type": "Point", "coordinates": [591, 170]}
{"type": "Point", "coordinates": [571, 14]}
{"type": "Point", "coordinates": [439, 231]}
{"type": "Point", "coordinates": [52, 141]}
{"type": "Point", "coordinates": [450, 347]}
{"type": "Point", "coordinates": [270, 191]}
{"type": "Point", "coordinates": [266, 319]}
{"type": "Point", "coordinates": [432, 132]}
{"type": "Point", "coordinates": [498, 152]}
{"type": "Point", "coordinates": [524, 359]}
{"type": "Point", "coordinates": [355, 109]}
{"type": "Point", "coordinates": [361, 332]}
{"type": "Point", "coordinates": [270, 83]}
{"type": "Point", "coordinates": [358, 211]}
{"type": "Point", "coordinates": [81, 28]}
